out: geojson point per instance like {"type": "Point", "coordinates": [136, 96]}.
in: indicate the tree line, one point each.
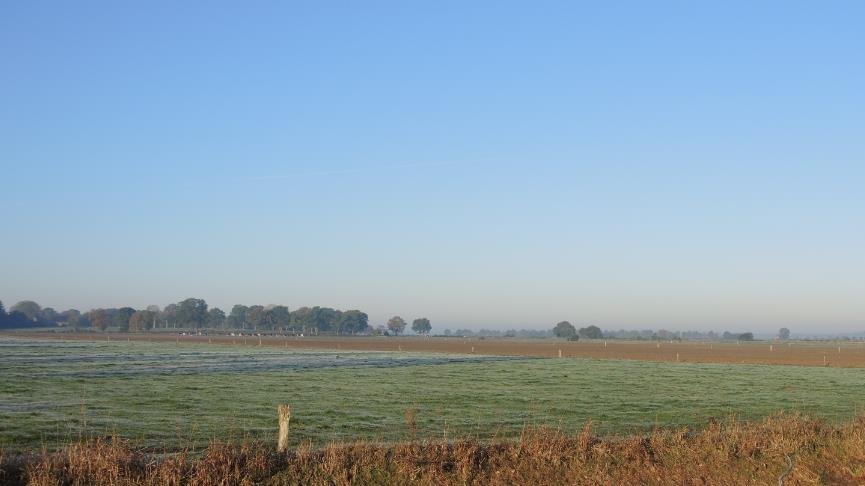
{"type": "Point", "coordinates": [194, 313]}
{"type": "Point", "coordinates": [566, 330]}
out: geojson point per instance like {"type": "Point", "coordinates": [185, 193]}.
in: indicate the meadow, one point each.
{"type": "Point", "coordinates": [165, 396]}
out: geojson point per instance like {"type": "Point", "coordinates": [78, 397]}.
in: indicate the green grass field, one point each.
{"type": "Point", "coordinates": [169, 396]}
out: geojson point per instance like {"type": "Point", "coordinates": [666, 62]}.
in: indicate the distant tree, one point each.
{"type": "Point", "coordinates": [155, 314]}
{"type": "Point", "coordinates": [121, 317]}
{"type": "Point", "coordinates": [99, 318]}
{"type": "Point", "coordinates": [591, 332]}
{"type": "Point", "coordinates": [354, 321]}
{"type": "Point", "coordinates": [71, 317]}
{"type": "Point", "coordinates": [169, 315]}
{"type": "Point", "coordinates": [3, 315]}
{"type": "Point", "coordinates": [281, 317]}
{"type": "Point", "coordinates": [276, 317]}
{"type": "Point", "coordinates": [215, 318]}
{"type": "Point", "coordinates": [49, 315]}
{"type": "Point", "coordinates": [421, 326]}
{"type": "Point", "coordinates": [301, 319]}
{"type": "Point", "coordinates": [18, 319]}
{"type": "Point", "coordinates": [565, 330]}
{"type": "Point", "coordinates": [324, 319]}
{"type": "Point", "coordinates": [255, 316]}
{"type": "Point", "coordinates": [141, 321]}
{"type": "Point", "coordinates": [73, 321]}
{"type": "Point", "coordinates": [30, 309]}
{"type": "Point", "coordinates": [237, 317]}
{"type": "Point", "coordinates": [784, 333]}
{"type": "Point", "coordinates": [396, 325]}
{"type": "Point", "coordinates": [747, 336]}
{"type": "Point", "coordinates": [192, 313]}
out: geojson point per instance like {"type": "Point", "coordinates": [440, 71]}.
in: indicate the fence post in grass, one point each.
{"type": "Point", "coordinates": [560, 353]}
{"type": "Point", "coordinates": [605, 344]}
{"type": "Point", "coordinates": [473, 350]}
{"type": "Point", "coordinates": [259, 341]}
{"type": "Point", "coordinates": [771, 348]}
{"type": "Point", "coordinates": [677, 357]}
{"type": "Point", "coordinates": [839, 349]}
{"type": "Point", "coordinates": [284, 412]}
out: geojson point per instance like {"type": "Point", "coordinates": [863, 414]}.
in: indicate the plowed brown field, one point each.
{"type": "Point", "coordinates": [804, 353]}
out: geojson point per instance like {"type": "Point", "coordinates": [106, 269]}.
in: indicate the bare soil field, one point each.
{"type": "Point", "coordinates": [842, 354]}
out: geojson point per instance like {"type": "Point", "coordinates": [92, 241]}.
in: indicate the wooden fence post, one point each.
{"type": "Point", "coordinates": [284, 412]}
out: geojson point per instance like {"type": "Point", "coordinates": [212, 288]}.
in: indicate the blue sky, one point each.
{"type": "Point", "coordinates": [687, 165]}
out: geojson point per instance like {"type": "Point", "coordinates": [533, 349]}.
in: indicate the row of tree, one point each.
{"type": "Point", "coordinates": [27, 313]}
{"type": "Point", "coordinates": [566, 330]}
{"type": "Point", "coordinates": [194, 314]}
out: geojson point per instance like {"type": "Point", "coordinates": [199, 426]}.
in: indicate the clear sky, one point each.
{"type": "Point", "coordinates": [686, 165]}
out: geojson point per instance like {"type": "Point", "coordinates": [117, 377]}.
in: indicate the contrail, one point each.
{"type": "Point", "coordinates": [356, 170]}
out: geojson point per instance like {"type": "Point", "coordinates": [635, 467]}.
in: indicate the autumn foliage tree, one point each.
{"type": "Point", "coordinates": [100, 319]}
{"type": "Point", "coordinates": [141, 321]}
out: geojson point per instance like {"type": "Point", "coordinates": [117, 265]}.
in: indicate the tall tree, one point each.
{"type": "Point", "coordinates": [255, 316]}
{"type": "Point", "coordinates": [141, 321]}
{"type": "Point", "coordinates": [99, 318]}
{"type": "Point", "coordinates": [301, 319]}
{"type": "Point", "coordinates": [277, 317]}
{"type": "Point", "coordinates": [565, 330]}
{"type": "Point", "coordinates": [3, 315]}
{"type": "Point", "coordinates": [121, 317]}
{"type": "Point", "coordinates": [192, 313]}
{"type": "Point", "coordinates": [169, 315]}
{"type": "Point", "coordinates": [30, 309]}
{"type": "Point", "coordinates": [156, 313]}
{"type": "Point", "coordinates": [591, 332]}
{"type": "Point", "coordinates": [49, 315]}
{"type": "Point", "coordinates": [784, 333]}
{"type": "Point", "coordinates": [354, 321]}
{"type": "Point", "coordinates": [215, 318]}
{"type": "Point", "coordinates": [421, 326]}
{"type": "Point", "coordinates": [237, 317]}
{"type": "Point", "coordinates": [396, 324]}
{"type": "Point", "coordinates": [72, 318]}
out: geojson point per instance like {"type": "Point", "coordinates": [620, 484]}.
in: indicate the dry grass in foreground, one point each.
{"type": "Point", "coordinates": [786, 449]}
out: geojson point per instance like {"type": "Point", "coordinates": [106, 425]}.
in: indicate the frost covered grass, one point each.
{"type": "Point", "coordinates": [164, 397]}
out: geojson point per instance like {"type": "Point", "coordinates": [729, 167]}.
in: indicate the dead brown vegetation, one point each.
{"type": "Point", "coordinates": [791, 449]}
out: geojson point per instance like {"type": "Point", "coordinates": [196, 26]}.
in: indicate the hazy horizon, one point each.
{"type": "Point", "coordinates": [678, 166]}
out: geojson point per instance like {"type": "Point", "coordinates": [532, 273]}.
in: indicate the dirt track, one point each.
{"type": "Point", "coordinates": [842, 354]}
